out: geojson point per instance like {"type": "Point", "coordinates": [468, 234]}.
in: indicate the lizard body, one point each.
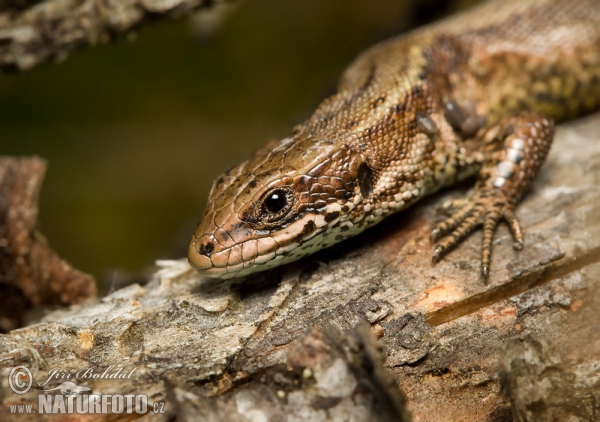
{"type": "Point", "coordinates": [472, 95]}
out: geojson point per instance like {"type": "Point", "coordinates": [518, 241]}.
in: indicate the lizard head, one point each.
{"type": "Point", "coordinates": [317, 187]}
{"type": "Point", "coordinates": [286, 202]}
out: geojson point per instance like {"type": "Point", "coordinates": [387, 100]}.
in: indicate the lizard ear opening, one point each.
{"type": "Point", "coordinates": [365, 180]}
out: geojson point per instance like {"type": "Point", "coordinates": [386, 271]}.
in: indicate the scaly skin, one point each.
{"type": "Point", "coordinates": [474, 95]}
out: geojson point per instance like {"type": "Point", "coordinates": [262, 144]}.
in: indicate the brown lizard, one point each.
{"type": "Point", "coordinates": [472, 95]}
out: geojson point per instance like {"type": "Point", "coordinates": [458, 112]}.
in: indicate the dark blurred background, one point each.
{"type": "Point", "coordinates": [136, 130]}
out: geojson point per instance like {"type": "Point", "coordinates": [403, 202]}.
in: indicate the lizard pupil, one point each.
{"type": "Point", "coordinates": [275, 202]}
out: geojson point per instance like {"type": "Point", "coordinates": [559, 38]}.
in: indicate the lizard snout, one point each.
{"type": "Point", "coordinates": [200, 251]}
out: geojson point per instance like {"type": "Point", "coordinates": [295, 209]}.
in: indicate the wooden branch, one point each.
{"type": "Point", "coordinates": [31, 273]}
{"type": "Point", "coordinates": [269, 345]}
{"type": "Point", "coordinates": [34, 32]}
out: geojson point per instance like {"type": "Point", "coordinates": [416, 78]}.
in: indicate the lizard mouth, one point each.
{"type": "Point", "coordinates": [227, 254]}
{"type": "Point", "coordinates": [212, 259]}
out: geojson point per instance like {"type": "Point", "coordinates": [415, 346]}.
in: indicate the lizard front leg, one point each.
{"type": "Point", "coordinates": [514, 149]}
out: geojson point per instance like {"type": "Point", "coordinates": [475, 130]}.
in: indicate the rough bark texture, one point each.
{"type": "Point", "coordinates": [31, 274]}
{"type": "Point", "coordinates": [523, 346]}
{"type": "Point", "coordinates": [34, 32]}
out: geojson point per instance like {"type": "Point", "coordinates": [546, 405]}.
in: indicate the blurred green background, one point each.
{"type": "Point", "coordinates": [136, 130]}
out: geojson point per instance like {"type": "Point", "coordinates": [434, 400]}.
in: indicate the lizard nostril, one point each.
{"type": "Point", "coordinates": [206, 249]}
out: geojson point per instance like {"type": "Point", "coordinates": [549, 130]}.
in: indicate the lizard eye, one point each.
{"type": "Point", "coordinates": [277, 202]}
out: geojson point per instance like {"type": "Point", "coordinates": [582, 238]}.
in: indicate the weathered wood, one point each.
{"type": "Point", "coordinates": [215, 350]}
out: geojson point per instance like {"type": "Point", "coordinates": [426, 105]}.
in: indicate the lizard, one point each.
{"type": "Point", "coordinates": [473, 96]}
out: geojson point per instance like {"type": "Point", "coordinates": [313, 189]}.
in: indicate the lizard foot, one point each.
{"type": "Point", "coordinates": [486, 208]}
{"type": "Point", "coordinates": [515, 149]}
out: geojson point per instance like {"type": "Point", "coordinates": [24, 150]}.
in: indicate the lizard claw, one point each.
{"type": "Point", "coordinates": [434, 236]}
{"type": "Point", "coordinates": [437, 254]}
{"type": "Point", "coordinates": [485, 272]}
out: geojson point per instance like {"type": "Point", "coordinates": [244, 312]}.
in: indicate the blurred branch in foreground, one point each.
{"type": "Point", "coordinates": [33, 32]}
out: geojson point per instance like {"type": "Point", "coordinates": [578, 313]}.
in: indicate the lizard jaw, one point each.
{"type": "Point", "coordinates": [217, 256]}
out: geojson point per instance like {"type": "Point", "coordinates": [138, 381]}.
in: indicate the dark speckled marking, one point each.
{"type": "Point", "coordinates": [331, 216]}
{"type": "Point", "coordinates": [308, 228]}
